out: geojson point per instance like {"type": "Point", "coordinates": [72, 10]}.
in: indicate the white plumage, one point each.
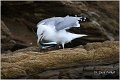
{"type": "Point", "coordinates": [53, 29]}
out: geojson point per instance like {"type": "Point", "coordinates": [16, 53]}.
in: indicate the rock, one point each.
{"type": "Point", "coordinates": [8, 40]}
{"type": "Point", "coordinates": [5, 34]}
{"type": "Point", "coordinates": [79, 62]}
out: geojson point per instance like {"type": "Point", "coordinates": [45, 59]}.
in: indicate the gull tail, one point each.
{"type": "Point", "coordinates": [74, 36]}
{"type": "Point", "coordinates": [81, 35]}
{"type": "Point", "coordinates": [70, 36]}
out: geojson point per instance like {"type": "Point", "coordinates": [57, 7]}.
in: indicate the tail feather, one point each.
{"type": "Point", "coordinates": [81, 35]}
{"type": "Point", "coordinates": [74, 36]}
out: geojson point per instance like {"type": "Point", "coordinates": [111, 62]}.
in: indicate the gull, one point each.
{"type": "Point", "coordinates": [54, 30]}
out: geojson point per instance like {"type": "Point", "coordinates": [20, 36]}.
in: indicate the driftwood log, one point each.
{"type": "Point", "coordinates": [93, 60]}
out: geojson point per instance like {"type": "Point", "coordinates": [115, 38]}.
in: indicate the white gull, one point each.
{"type": "Point", "coordinates": [54, 29]}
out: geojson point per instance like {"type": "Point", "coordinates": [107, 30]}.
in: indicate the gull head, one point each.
{"type": "Point", "coordinates": [45, 32]}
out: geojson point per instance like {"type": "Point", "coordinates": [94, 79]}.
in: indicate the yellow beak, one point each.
{"type": "Point", "coordinates": [40, 38]}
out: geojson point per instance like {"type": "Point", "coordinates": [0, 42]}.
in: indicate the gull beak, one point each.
{"type": "Point", "coordinates": [40, 38]}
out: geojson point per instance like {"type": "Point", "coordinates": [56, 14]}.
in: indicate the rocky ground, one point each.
{"type": "Point", "coordinates": [94, 56]}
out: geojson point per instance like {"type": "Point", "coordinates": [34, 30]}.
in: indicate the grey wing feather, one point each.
{"type": "Point", "coordinates": [61, 22]}
{"type": "Point", "coordinates": [67, 23]}
{"type": "Point", "coordinates": [49, 20]}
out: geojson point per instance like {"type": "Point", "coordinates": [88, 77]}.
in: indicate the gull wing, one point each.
{"type": "Point", "coordinates": [51, 21]}
{"type": "Point", "coordinates": [61, 22]}
{"type": "Point", "coordinates": [67, 23]}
